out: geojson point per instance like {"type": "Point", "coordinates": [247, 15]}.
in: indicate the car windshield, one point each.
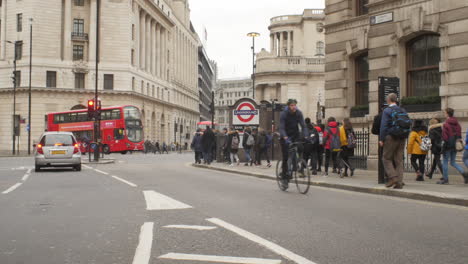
{"type": "Point", "coordinates": [57, 140]}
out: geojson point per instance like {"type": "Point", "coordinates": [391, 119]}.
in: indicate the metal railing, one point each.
{"type": "Point", "coordinates": [79, 36]}
{"type": "Point", "coordinates": [361, 152]}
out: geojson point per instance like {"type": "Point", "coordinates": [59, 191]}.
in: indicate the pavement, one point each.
{"type": "Point", "coordinates": [159, 209]}
{"type": "Point", "coordinates": [366, 181]}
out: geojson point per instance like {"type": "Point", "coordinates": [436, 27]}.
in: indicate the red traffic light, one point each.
{"type": "Point", "coordinates": [90, 102]}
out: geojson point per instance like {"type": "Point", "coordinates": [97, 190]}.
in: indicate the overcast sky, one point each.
{"type": "Point", "coordinates": [228, 22]}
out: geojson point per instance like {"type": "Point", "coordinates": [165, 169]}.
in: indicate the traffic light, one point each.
{"type": "Point", "coordinates": [91, 109]}
{"type": "Point", "coordinates": [98, 110]}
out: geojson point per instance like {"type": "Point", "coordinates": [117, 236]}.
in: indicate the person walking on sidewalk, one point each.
{"type": "Point", "coordinates": [208, 140]}
{"type": "Point", "coordinates": [435, 134]}
{"type": "Point", "coordinates": [311, 146]}
{"type": "Point", "coordinates": [418, 147]}
{"type": "Point", "coordinates": [331, 136]}
{"type": "Point", "coordinates": [233, 146]}
{"type": "Point", "coordinates": [261, 148]}
{"type": "Point", "coordinates": [226, 154]}
{"type": "Point", "coordinates": [248, 142]}
{"type": "Point", "coordinates": [321, 147]}
{"type": "Point", "coordinates": [348, 144]}
{"type": "Point", "coordinates": [197, 146]}
{"type": "Point", "coordinates": [394, 129]}
{"type": "Point", "coordinates": [451, 133]}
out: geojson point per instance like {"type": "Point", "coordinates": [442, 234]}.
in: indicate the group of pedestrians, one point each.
{"type": "Point", "coordinates": [155, 147]}
{"type": "Point", "coordinates": [203, 144]}
{"type": "Point", "coordinates": [441, 139]}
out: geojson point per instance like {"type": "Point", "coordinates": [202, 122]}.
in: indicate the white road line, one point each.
{"type": "Point", "coordinates": [219, 259]}
{"type": "Point", "coordinates": [124, 181]}
{"type": "Point", "coordinates": [157, 201]}
{"type": "Point", "coordinates": [143, 251]}
{"type": "Point", "coordinates": [29, 171]}
{"type": "Point", "coordinates": [261, 241]}
{"type": "Point", "coordinates": [86, 166]}
{"type": "Point", "coordinates": [194, 227]}
{"type": "Point", "coordinates": [12, 188]}
{"type": "Point", "coordinates": [102, 172]}
{"type": "Point", "coordinates": [25, 177]}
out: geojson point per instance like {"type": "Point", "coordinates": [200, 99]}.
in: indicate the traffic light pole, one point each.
{"type": "Point", "coordinates": [15, 80]}
{"type": "Point", "coordinates": [97, 121]}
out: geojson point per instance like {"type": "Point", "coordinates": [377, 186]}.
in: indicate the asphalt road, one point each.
{"type": "Point", "coordinates": [159, 209]}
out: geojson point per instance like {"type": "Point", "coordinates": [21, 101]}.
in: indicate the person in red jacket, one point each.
{"type": "Point", "coordinates": [320, 149]}
{"type": "Point", "coordinates": [331, 137]}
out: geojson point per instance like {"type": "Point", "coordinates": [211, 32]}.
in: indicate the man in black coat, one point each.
{"type": "Point", "coordinates": [208, 140]}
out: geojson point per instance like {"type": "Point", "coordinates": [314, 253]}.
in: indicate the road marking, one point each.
{"type": "Point", "coordinates": [219, 259]}
{"type": "Point", "coordinates": [261, 241]}
{"type": "Point", "coordinates": [102, 172]}
{"type": "Point", "coordinates": [194, 227]}
{"type": "Point", "coordinates": [157, 201]}
{"type": "Point", "coordinates": [25, 177]}
{"type": "Point", "coordinates": [143, 251]}
{"type": "Point", "coordinates": [12, 188]}
{"type": "Point", "coordinates": [86, 166]}
{"type": "Point", "coordinates": [29, 171]}
{"type": "Point", "coordinates": [124, 181]}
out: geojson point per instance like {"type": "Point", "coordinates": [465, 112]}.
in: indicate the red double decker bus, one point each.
{"type": "Point", "coordinates": [121, 128]}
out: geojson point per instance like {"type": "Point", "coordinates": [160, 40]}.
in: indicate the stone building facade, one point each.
{"type": "Point", "coordinates": [424, 43]}
{"type": "Point", "coordinates": [227, 92]}
{"type": "Point", "coordinates": [148, 58]}
{"type": "Point", "coordinates": [295, 65]}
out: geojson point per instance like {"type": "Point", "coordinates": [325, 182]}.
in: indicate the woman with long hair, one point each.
{"type": "Point", "coordinates": [348, 143]}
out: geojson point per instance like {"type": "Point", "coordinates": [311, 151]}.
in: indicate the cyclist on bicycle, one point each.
{"type": "Point", "coordinates": [290, 120]}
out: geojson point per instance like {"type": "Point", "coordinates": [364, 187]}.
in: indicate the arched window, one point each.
{"type": "Point", "coordinates": [320, 48]}
{"type": "Point", "coordinates": [423, 57]}
{"type": "Point", "coordinates": [362, 79]}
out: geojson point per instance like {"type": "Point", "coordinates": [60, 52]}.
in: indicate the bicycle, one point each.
{"type": "Point", "coordinates": [297, 168]}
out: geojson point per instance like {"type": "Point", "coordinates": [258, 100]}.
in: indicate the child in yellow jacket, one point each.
{"type": "Point", "coordinates": [418, 156]}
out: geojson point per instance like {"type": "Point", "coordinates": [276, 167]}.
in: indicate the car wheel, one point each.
{"type": "Point", "coordinates": [106, 149]}
{"type": "Point", "coordinates": [78, 167]}
{"type": "Point", "coordinates": [37, 168]}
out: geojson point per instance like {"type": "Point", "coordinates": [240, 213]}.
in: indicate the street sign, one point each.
{"type": "Point", "coordinates": [382, 18]}
{"type": "Point", "coordinates": [388, 85]}
{"type": "Point", "coordinates": [246, 114]}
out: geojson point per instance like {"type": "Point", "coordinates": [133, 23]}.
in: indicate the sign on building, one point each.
{"type": "Point", "coordinates": [382, 18]}
{"type": "Point", "coordinates": [388, 85]}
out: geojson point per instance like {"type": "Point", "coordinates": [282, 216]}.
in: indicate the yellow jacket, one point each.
{"type": "Point", "coordinates": [343, 137]}
{"type": "Point", "coordinates": [415, 141]}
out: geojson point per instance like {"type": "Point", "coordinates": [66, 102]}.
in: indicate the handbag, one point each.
{"type": "Point", "coordinates": [459, 145]}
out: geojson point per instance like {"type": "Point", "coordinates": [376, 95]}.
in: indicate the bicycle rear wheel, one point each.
{"type": "Point", "coordinates": [302, 176]}
{"type": "Point", "coordinates": [279, 169]}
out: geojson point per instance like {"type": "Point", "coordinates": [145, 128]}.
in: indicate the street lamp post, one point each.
{"type": "Point", "coordinates": [253, 35]}
{"type": "Point", "coordinates": [30, 80]}
{"type": "Point", "coordinates": [97, 121]}
{"type": "Point", "coordinates": [15, 79]}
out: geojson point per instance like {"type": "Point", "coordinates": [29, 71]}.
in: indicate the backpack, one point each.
{"type": "Point", "coordinates": [401, 124]}
{"type": "Point", "coordinates": [335, 143]}
{"type": "Point", "coordinates": [314, 137]}
{"type": "Point", "coordinates": [352, 141]}
{"type": "Point", "coordinates": [269, 140]}
{"type": "Point", "coordinates": [320, 138]}
{"type": "Point", "coordinates": [250, 140]}
{"type": "Point", "coordinates": [235, 142]}
{"type": "Point", "coordinates": [425, 144]}
{"type": "Point", "coordinates": [376, 124]}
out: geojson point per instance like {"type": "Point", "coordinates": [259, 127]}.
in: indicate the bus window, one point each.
{"type": "Point", "coordinates": [118, 133]}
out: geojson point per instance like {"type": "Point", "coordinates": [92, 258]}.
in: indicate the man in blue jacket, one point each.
{"type": "Point", "coordinates": [393, 147]}
{"type": "Point", "coordinates": [290, 120]}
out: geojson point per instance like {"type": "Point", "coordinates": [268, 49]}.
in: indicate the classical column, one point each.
{"type": "Point", "coordinates": [67, 51]}
{"type": "Point", "coordinates": [152, 54]}
{"type": "Point", "coordinates": [281, 45]}
{"type": "Point", "coordinates": [142, 39]}
{"type": "Point", "coordinates": [272, 43]}
{"type": "Point", "coordinates": [276, 44]}
{"type": "Point", "coordinates": [289, 53]}
{"type": "Point", "coordinates": [136, 42]}
{"type": "Point", "coordinates": [160, 50]}
{"type": "Point", "coordinates": [3, 29]}
{"type": "Point", "coordinates": [148, 44]}
{"type": "Point", "coordinates": [155, 48]}
{"type": "Point", "coordinates": [163, 54]}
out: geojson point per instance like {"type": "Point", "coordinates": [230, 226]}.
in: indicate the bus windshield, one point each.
{"type": "Point", "coordinates": [133, 124]}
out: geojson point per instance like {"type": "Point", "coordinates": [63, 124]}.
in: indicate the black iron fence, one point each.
{"type": "Point", "coordinates": [361, 152]}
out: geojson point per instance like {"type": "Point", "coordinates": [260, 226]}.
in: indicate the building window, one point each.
{"type": "Point", "coordinates": [79, 2]}
{"type": "Point", "coordinates": [78, 26]}
{"type": "Point", "coordinates": [133, 84]}
{"type": "Point", "coordinates": [51, 79]}
{"type": "Point", "coordinates": [132, 55]}
{"type": "Point", "coordinates": [361, 8]}
{"type": "Point", "coordinates": [423, 57]}
{"type": "Point", "coordinates": [362, 80]}
{"type": "Point", "coordinates": [108, 81]}
{"type": "Point", "coordinates": [17, 74]}
{"type": "Point", "coordinates": [133, 31]}
{"type": "Point", "coordinates": [18, 50]}
{"type": "Point", "coordinates": [320, 48]}
{"type": "Point", "coordinates": [19, 22]}
{"type": "Point", "coordinates": [79, 80]}
{"type": "Point", "coordinates": [78, 51]}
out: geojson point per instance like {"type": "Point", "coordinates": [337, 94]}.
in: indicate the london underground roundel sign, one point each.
{"type": "Point", "coordinates": [245, 114]}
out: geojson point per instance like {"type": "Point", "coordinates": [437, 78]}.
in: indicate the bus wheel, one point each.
{"type": "Point", "coordinates": [123, 152]}
{"type": "Point", "coordinates": [106, 149]}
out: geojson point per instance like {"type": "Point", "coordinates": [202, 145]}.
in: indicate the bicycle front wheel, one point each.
{"type": "Point", "coordinates": [302, 176]}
